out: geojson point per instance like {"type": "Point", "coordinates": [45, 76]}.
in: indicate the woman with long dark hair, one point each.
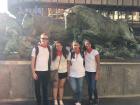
{"type": "Point", "coordinates": [59, 65]}
{"type": "Point", "coordinates": [76, 71]}
{"type": "Point", "coordinates": [92, 67]}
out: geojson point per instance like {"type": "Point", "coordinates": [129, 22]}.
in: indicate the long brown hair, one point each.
{"type": "Point", "coordinates": [54, 51]}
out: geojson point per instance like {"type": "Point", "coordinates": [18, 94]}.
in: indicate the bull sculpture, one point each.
{"type": "Point", "coordinates": [112, 38]}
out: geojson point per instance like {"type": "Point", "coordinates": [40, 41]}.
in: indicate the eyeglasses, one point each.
{"type": "Point", "coordinates": [44, 38]}
{"type": "Point", "coordinates": [75, 45]}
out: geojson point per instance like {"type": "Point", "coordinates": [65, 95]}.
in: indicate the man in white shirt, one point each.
{"type": "Point", "coordinates": [40, 69]}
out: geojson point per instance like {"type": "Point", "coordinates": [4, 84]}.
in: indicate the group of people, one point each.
{"type": "Point", "coordinates": [63, 65]}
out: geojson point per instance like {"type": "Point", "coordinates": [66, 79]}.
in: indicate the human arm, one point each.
{"type": "Point", "coordinates": [33, 62]}
{"type": "Point", "coordinates": [68, 64]}
{"type": "Point", "coordinates": [97, 58]}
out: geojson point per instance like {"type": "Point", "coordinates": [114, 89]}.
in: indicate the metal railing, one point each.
{"type": "Point", "coordinates": [95, 2]}
{"type": "Point", "coordinates": [101, 2]}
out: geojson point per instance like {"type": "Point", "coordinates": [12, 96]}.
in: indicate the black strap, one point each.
{"type": "Point", "coordinates": [49, 62]}
{"type": "Point", "coordinates": [82, 54]}
{"type": "Point", "coordinates": [36, 53]}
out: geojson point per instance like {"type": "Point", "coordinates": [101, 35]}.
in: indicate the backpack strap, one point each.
{"type": "Point", "coordinates": [83, 56]}
{"type": "Point", "coordinates": [49, 62]}
{"type": "Point", "coordinates": [81, 53]}
{"type": "Point", "coordinates": [72, 54]}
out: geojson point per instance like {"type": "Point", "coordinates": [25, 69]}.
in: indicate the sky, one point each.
{"type": "Point", "coordinates": [3, 6]}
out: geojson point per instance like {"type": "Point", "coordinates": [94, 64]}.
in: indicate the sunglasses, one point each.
{"type": "Point", "coordinates": [44, 38]}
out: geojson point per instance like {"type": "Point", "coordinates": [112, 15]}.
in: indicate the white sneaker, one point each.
{"type": "Point", "coordinates": [77, 103]}
{"type": "Point", "coordinates": [61, 102]}
{"type": "Point", "coordinates": [55, 102]}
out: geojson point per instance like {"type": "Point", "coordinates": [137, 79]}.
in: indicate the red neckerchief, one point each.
{"type": "Point", "coordinates": [77, 52]}
{"type": "Point", "coordinates": [59, 53]}
{"type": "Point", "coordinates": [89, 50]}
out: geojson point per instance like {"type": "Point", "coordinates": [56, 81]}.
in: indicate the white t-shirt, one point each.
{"type": "Point", "coordinates": [90, 61]}
{"type": "Point", "coordinates": [77, 69]}
{"type": "Point", "coordinates": [42, 59]}
{"type": "Point", "coordinates": [62, 65]}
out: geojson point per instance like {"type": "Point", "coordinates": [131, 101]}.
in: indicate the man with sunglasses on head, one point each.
{"type": "Point", "coordinates": [40, 69]}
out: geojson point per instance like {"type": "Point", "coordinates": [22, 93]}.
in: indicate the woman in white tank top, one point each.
{"type": "Point", "coordinates": [59, 67]}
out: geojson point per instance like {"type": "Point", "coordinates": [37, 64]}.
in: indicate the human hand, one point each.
{"type": "Point", "coordinates": [35, 77]}
{"type": "Point", "coordinates": [97, 77]}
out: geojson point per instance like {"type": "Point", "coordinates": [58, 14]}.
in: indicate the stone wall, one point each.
{"type": "Point", "coordinates": [117, 79]}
